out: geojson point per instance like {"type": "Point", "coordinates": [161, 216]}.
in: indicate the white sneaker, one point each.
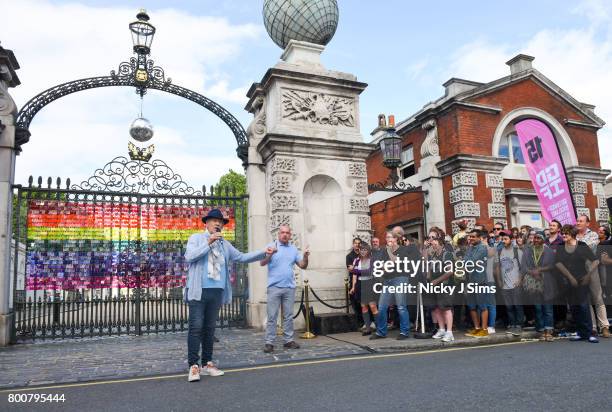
{"type": "Point", "coordinates": [194, 373]}
{"type": "Point", "coordinates": [491, 330]}
{"type": "Point", "coordinates": [448, 337]}
{"type": "Point", "coordinates": [439, 334]}
{"type": "Point", "coordinates": [211, 370]}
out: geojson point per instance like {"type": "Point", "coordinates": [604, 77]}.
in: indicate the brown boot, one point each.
{"type": "Point", "coordinates": [605, 332]}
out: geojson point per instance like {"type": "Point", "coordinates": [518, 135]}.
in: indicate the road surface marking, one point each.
{"type": "Point", "coordinates": [272, 366]}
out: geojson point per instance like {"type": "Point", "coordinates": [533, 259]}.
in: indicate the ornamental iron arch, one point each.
{"type": "Point", "coordinates": [141, 73]}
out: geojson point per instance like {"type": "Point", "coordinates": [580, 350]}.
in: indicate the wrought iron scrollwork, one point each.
{"type": "Point", "coordinates": [393, 184]}
{"type": "Point", "coordinates": [123, 175]}
{"type": "Point", "coordinates": [126, 76]}
{"type": "Point", "coordinates": [126, 69]}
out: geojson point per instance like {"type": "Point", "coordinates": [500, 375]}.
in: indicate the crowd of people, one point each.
{"type": "Point", "coordinates": [554, 280]}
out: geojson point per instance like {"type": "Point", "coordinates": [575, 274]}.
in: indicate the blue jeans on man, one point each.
{"type": "Point", "coordinates": [202, 320]}
{"type": "Point", "coordinates": [544, 317]}
{"type": "Point", "coordinates": [401, 301]}
{"type": "Point", "coordinates": [278, 297]}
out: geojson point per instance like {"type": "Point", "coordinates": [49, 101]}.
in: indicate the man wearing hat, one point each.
{"type": "Point", "coordinates": [208, 287]}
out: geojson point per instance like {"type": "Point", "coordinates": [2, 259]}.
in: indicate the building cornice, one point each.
{"type": "Point", "coordinates": [307, 77]}
{"type": "Point", "coordinates": [587, 173]}
{"type": "Point", "coordinates": [470, 162]}
{"type": "Point", "coordinates": [273, 144]}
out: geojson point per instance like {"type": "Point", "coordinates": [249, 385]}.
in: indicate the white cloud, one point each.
{"type": "Point", "coordinates": [55, 43]}
{"type": "Point", "coordinates": [417, 69]}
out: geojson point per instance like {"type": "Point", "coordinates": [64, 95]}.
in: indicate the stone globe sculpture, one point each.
{"type": "Point", "coordinates": [141, 130]}
{"type": "Point", "coordinates": [314, 21]}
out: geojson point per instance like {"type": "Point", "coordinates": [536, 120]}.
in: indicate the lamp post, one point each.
{"type": "Point", "coordinates": [391, 149]}
{"type": "Point", "coordinates": [142, 33]}
{"type": "Point", "coordinates": [142, 37]}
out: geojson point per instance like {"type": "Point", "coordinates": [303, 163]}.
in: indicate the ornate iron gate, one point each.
{"type": "Point", "coordinates": [105, 257]}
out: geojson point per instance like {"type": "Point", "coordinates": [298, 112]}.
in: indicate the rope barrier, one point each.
{"type": "Point", "coordinates": [325, 303]}
{"type": "Point", "coordinates": [301, 306]}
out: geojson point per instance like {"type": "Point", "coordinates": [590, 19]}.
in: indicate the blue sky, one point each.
{"type": "Point", "coordinates": [404, 50]}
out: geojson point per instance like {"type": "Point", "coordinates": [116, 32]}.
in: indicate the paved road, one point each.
{"type": "Point", "coordinates": [517, 377]}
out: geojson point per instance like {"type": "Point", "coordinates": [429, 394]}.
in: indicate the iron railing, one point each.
{"type": "Point", "coordinates": [139, 292]}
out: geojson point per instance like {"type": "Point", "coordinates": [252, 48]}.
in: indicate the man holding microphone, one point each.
{"type": "Point", "coordinates": [281, 286]}
{"type": "Point", "coordinates": [208, 287]}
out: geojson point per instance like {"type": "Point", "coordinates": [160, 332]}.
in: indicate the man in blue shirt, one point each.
{"type": "Point", "coordinates": [281, 286]}
{"type": "Point", "coordinates": [208, 287]}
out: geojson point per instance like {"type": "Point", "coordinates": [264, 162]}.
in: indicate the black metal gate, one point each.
{"type": "Point", "coordinates": [106, 257]}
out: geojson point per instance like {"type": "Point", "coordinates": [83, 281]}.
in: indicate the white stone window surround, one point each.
{"type": "Point", "coordinates": [506, 125]}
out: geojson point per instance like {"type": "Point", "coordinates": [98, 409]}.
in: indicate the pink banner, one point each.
{"type": "Point", "coordinates": [546, 170]}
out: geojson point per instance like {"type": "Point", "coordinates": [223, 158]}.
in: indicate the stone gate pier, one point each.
{"type": "Point", "coordinates": [306, 167]}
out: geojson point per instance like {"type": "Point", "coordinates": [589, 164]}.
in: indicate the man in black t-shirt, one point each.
{"type": "Point", "coordinates": [576, 261]}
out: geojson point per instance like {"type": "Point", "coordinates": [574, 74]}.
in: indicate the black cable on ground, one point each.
{"type": "Point", "coordinates": [366, 348]}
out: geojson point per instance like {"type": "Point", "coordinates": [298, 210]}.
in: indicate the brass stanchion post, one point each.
{"type": "Point", "coordinates": [307, 334]}
{"type": "Point", "coordinates": [346, 293]}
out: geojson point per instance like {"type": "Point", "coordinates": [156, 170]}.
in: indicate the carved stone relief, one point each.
{"type": "Point", "coordinates": [364, 223]}
{"type": "Point", "coordinates": [357, 170]}
{"type": "Point", "coordinates": [316, 107]}
{"type": "Point", "coordinates": [465, 179]}
{"type": "Point", "coordinates": [430, 144]}
{"type": "Point", "coordinates": [284, 165]}
{"type": "Point", "coordinates": [358, 205]}
{"type": "Point", "coordinates": [467, 209]}
{"type": "Point", "coordinates": [280, 183]}
{"type": "Point", "coordinates": [284, 202]}
{"type": "Point", "coordinates": [461, 194]}
{"type": "Point", "coordinates": [494, 180]}
{"type": "Point", "coordinates": [361, 187]}
{"type": "Point", "coordinates": [257, 128]}
{"type": "Point", "coordinates": [277, 219]}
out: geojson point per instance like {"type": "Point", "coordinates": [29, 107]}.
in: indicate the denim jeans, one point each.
{"type": "Point", "coordinates": [492, 314]}
{"type": "Point", "coordinates": [202, 320]}
{"type": "Point", "coordinates": [514, 306]}
{"type": "Point", "coordinates": [544, 317]}
{"type": "Point", "coordinates": [276, 298]}
{"type": "Point", "coordinates": [401, 301]}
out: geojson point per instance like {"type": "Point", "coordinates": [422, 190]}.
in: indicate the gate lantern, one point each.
{"type": "Point", "coordinates": [142, 33]}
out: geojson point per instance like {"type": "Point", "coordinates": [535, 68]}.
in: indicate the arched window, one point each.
{"type": "Point", "coordinates": [509, 148]}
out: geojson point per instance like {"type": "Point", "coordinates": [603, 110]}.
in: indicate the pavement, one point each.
{"type": "Point", "coordinates": [516, 376]}
{"type": "Point", "coordinates": [81, 360]}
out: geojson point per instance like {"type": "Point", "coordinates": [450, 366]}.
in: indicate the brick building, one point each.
{"type": "Point", "coordinates": [463, 151]}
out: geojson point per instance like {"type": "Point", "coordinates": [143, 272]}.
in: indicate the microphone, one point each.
{"type": "Point", "coordinates": [218, 229]}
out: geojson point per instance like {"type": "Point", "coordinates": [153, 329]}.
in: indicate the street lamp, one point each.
{"type": "Point", "coordinates": [142, 33]}
{"type": "Point", "coordinates": [391, 149]}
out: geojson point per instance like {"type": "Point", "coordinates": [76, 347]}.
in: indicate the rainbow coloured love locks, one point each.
{"type": "Point", "coordinates": [75, 245]}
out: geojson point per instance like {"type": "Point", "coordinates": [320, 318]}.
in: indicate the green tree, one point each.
{"type": "Point", "coordinates": [232, 180]}
{"type": "Point", "coordinates": [236, 180]}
